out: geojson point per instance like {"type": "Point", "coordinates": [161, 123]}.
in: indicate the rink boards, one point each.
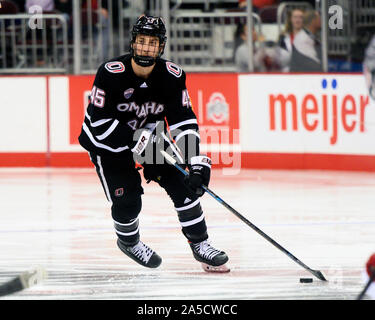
{"type": "Point", "coordinates": [283, 121]}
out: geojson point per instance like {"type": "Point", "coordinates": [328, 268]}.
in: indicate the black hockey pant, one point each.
{"type": "Point", "coordinates": [121, 182]}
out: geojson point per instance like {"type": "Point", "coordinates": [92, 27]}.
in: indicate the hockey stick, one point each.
{"type": "Point", "coordinates": [23, 281]}
{"type": "Point", "coordinates": [316, 273]}
{"type": "Point", "coordinates": [372, 279]}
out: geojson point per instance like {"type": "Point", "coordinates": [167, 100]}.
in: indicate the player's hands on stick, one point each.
{"type": "Point", "coordinates": [141, 139]}
{"type": "Point", "coordinates": [199, 173]}
{"type": "Point", "coordinates": [148, 139]}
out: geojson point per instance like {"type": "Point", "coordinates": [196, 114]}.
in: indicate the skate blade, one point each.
{"type": "Point", "coordinates": [216, 269]}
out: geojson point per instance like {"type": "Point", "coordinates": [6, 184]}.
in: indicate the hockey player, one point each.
{"type": "Point", "coordinates": [369, 278]}
{"type": "Point", "coordinates": [131, 94]}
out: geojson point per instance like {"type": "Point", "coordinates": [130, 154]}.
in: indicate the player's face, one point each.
{"type": "Point", "coordinates": [146, 46]}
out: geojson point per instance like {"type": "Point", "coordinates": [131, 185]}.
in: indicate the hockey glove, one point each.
{"type": "Point", "coordinates": [199, 173]}
{"type": "Point", "coordinates": [147, 144]}
{"type": "Point", "coordinates": [142, 139]}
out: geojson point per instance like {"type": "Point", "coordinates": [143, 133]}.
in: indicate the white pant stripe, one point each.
{"type": "Point", "coordinates": [108, 194]}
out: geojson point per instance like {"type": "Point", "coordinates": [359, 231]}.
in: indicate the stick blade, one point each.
{"type": "Point", "coordinates": [33, 277]}
{"type": "Point", "coordinates": [319, 275]}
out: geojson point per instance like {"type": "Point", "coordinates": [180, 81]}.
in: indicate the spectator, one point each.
{"type": "Point", "coordinates": [257, 4]}
{"type": "Point", "coordinates": [369, 67]}
{"type": "Point", "coordinates": [265, 55]}
{"type": "Point", "coordinates": [95, 6]}
{"type": "Point", "coordinates": [239, 37]}
{"type": "Point", "coordinates": [46, 5]}
{"type": "Point", "coordinates": [306, 53]}
{"type": "Point", "coordinates": [20, 4]}
{"type": "Point", "coordinates": [311, 2]}
{"type": "Point", "coordinates": [293, 25]}
{"type": "Point", "coordinates": [64, 7]}
{"type": "Point", "coordinates": [103, 28]}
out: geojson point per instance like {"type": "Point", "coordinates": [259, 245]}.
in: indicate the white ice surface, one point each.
{"type": "Point", "coordinates": [60, 219]}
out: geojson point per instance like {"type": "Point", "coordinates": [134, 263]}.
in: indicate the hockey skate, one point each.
{"type": "Point", "coordinates": [141, 253]}
{"type": "Point", "coordinates": [212, 260]}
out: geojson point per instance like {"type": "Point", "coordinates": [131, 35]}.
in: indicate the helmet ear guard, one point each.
{"type": "Point", "coordinates": [150, 26]}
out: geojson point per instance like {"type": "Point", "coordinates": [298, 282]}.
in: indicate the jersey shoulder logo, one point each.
{"type": "Point", "coordinates": [115, 67]}
{"type": "Point", "coordinates": [174, 69]}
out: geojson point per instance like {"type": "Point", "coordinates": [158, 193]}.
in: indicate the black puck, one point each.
{"type": "Point", "coordinates": [305, 280]}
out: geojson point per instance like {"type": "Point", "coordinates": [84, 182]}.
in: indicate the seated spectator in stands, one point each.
{"type": "Point", "coordinates": [95, 6]}
{"type": "Point", "coordinates": [65, 7]}
{"type": "Point", "coordinates": [257, 4]}
{"type": "Point", "coordinates": [312, 2]}
{"type": "Point", "coordinates": [20, 4]}
{"type": "Point", "coordinates": [293, 25]}
{"type": "Point", "coordinates": [307, 52]}
{"type": "Point", "coordinates": [369, 67]}
{"type": "Point", "coordinates": [104, 20]}
{"type": "Point", "coordinates": [46, 5]}
{"type": "Point", "coordinates": [239, 37]}
{"type": "Point", "coordinates": [265, 54]}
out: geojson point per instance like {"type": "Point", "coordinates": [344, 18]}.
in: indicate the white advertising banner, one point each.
{"type": "Point", "coordinates": [23, 114]}
{"type": "Point", "coordinates": [327, 114]}
{"type": "Point", "coordinates": [60, 116]}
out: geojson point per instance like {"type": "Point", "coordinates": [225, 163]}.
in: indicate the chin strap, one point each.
{"type": "Point", "coordinates": [144, 61]}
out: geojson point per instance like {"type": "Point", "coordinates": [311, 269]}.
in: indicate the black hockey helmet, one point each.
{"type": "Point", "coordinates": [151, 26]}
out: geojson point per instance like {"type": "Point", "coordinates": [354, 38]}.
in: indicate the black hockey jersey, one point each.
{"type": "Point", "coordinates": [121, 103]}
